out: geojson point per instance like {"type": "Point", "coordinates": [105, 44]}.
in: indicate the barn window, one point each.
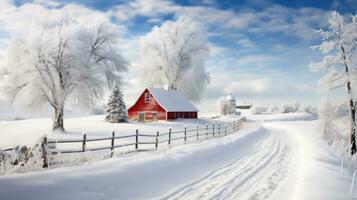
{"type": "Point", "coordinates": [147, 97]}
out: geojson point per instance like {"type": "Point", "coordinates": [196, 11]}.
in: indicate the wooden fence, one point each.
{"type": "Point", "coordinates": [49, 146]}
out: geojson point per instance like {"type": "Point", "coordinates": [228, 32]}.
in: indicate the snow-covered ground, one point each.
{"type": "Point", "coordinates": [28, 131]}
{"type": "Point", "coordinates": [272, 157]}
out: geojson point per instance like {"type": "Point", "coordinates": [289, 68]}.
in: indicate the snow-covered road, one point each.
{"type": "Point", "coordinates": [277, 159]}
{"type": "Point", "coordinates": [254, 175]}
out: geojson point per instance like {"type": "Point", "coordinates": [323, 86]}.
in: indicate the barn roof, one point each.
{"type": "Point", "coordinates": [172, 100]}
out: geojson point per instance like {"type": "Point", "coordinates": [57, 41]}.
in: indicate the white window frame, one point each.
{"type": "Point", "coordinates": [157, 117]}
{"type": "Point", "coordinates": [144, 116]}
{"type": "Point", "coordinates": [147, 97]}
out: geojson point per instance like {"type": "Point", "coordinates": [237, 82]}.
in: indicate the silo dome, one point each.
{"type": "Point", "coordinates": [230, 97]}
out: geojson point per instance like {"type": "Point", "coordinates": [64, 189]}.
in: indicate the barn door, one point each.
{"type": "Point", "coordinates": [154, 116]}
{"type": "Point", "coordinates": [141, 117]}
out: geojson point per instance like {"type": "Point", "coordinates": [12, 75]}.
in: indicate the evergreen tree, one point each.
{"type": "Point", "coordinates": [116, 110]}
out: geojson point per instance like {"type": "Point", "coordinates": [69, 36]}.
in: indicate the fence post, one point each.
{"type": "Point", "coordinates": [185, 132]}
{"type": "Point", "coordinates": [197, 131]}
{"type": "Point", "coordinates": [219, 129]}
{"type": "Point", "coordinates": [225, 130]}
{"type": "Point", "coordinates": [213, 129]}
{"type": "Point", "coordinates": [136, 139]}
{"type": "Point", "coordinates": [112, 147]}
{"type": "Point", "coordinates": [44, 152]}
{"type": "Point", "coordinates": [157, 140]}
{"type": "Point", "coordinates": [84, 142]}
{"type": "Point", "coordinates": [169, 141]}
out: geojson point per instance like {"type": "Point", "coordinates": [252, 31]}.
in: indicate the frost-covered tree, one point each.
{"type": "Point", "coordinates": [116, 109]}
{"type": "Point", "coordinates": [63, 61]}
{"type": "Point", "coordinates": [174, 54]}
{"type": "Point", "coordinates": [222, 106]}
{"type": "Point", "coordinates": [340, 45]}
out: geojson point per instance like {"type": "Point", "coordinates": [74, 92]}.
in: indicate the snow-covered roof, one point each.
{"type": "Point", "coordinates": [172, 100]}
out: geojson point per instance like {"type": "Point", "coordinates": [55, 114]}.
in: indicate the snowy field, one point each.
{"type": "Point", "coordinates": [28, 131]}
{"type": "Point", "coordinates": [278, 156]}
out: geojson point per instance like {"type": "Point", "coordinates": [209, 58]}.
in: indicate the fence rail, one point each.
{"type": "Point", "coordinates": [49, 147]}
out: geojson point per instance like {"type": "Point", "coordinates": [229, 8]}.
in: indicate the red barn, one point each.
{"type": "Point", "coordinates": [160, 104]}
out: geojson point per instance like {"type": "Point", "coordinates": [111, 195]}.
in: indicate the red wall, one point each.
{"type": "Point", "coordinates": [141, 106]}
{"type": "Point", "coordinates": [175, 115]}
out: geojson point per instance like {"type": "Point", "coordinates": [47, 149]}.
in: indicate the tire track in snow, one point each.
{"type": "Point", "coordinates": [253, 176]}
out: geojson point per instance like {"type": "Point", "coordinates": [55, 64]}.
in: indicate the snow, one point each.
{"type": "Point", "coordinates": [315, 171]}
{"type": "Point", "coordinates": [275, 156]}
{"type": "Point", "coordinates": [175, 54]}
{"type": "Point", "coordinates": [86, 60]}
{"type": "Point", "coordinates": [230, 97]}
{"type": "Point", "coordinates": [172, 100]}
{"type": "Point", "coordinates": [28, 131]}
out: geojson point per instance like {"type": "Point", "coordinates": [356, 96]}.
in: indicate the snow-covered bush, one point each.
{"type": "Point", "coordinates": [226, 105]}
{"type": "Point", "coordinates": [116, 111]}
{"type": "Point", "coordinates": [4, 156]}
{"type": "Point", "coordinates": [286, 108]}
{"type": "Point", "coordinates": [18, 154]}
{"type": "Point", "coordinates": [273, 109]}
{"type": "Point", "coordinates": [222, 106]}
{"type": "Point", "coordinates": [257, 110]}
{"type": "Point", "coordinates": [292, 108]}
{"type": "Point", "coordinates": [334, 120]}
{"type": "Point", "coordinates": [297, 106]}
{"type": "Point", "coordinates": [308, 109]}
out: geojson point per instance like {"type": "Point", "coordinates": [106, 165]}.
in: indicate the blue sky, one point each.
{"type": "Point", "coordinates": [259, 49]}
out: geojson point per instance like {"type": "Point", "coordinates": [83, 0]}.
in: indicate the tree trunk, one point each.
{"type": "Point", "coordinates": [353, 127]}
{"type": "Point", "coordinates": [352, 106]}
{"type": "Point", "coordinates": [58, 120]}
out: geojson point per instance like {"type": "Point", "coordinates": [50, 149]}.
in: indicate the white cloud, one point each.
{"type": "Point", "coordinates": [272, 19]}
{"type": "Point", "coordinates": [246, 43]}
{"type": "Point", "coordinates": [253, 86]}
{"type": "Point", "coordinates": [151, 8]}
{"type": "Point", "coordinates": [15, 20]}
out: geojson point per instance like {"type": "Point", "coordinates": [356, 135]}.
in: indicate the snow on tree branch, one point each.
{"type": "Point", "coordinates": [174, 54]}
{"type": "Point", "coordinates": [63, 61]}
{"type": "Point", "coordinates": [340, 43]}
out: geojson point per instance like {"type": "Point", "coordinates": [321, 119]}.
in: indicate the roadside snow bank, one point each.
{"type": "Point", "coordinates": [317, 173]}
{"type": "Point", "coordinates": [144, 176]}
